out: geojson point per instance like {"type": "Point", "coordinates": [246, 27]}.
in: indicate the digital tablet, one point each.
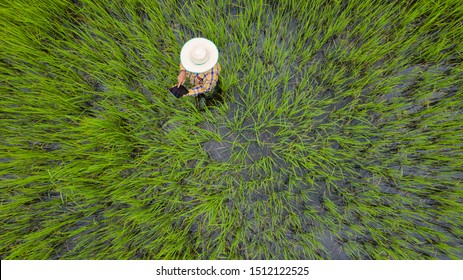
{"type": "Point", "coordinates": [178, 91]}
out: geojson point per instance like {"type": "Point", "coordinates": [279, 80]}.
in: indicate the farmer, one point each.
{"type": "Point", "coordinates": [198, 63]}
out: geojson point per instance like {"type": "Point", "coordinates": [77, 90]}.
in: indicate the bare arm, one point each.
{"type": "Point", "coordinates": [181, 78]}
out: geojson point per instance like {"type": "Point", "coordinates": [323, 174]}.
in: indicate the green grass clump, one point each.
{"type": "Point", "coordinates": [338, 136]}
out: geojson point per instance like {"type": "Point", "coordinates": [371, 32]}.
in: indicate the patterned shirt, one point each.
{"type": "Point", "coordinates": [202, 82]}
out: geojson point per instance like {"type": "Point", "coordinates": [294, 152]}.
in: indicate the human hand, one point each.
{"type": "Point", "coordinates": [181, 78]}
{"type": "Point", "coordinates": [188, 94]}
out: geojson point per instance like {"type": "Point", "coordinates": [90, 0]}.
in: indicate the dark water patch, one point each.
{"type": "Point", "coordinates": [255, 152]}
{"type": "Point", "coordinates": [49, 196]}
{"type": "Point", "coordinates": [92, 81]}
{"type": "Point", "coordinates": [168, 126]}
{"type": "Point", "coordinates": [328, 94]}
{"type": "Point", "coordinates": [244, 175]}
{"type": "Point", "coordinates": [92, 107]}
{"type": "Point", "coordinates": [140, 87]}
{"type": "Point", "coordinates": [280, 167]}
{"type": "Point", "coordinates": [177, 35]}
{"type": "Point", "coordinates": [239, 99]}
{"type": "Point", "coordinates": [128, 172]}
{"type": "Point", "coordinates": [234, 9]}
{"type": "Point", "coordinates": [193, 227]}
{"type": "Point", "coordinates": [439, 69]}
{"type": "Point", "coordinates": [187, 198]}
{"type": "Point", "coordinates": [234, 112]}
{"type": "Point", "coordinates": [387, 96]}
{"type": "Point", "coordinates": [414, 108]}
{"type": "Point", "coordinates": [321, 119]}
{"type": "Point", "coordinates": [332, 245]}
{"type": "Point", "coordinates": [116, 206]}
{"type": "Point", "coordinates": [114, 13]}
{"type": "Point", "coordinates": [339, 105]}
{"type": "Point", "coordinates": [268, 138]}
{"type": "Point", "coordinates": [246, 135]}
{"type": "Point", "coordinates": [386, 188]}
{"type": "Point", "coordinates": [100, 87]}
{"type": "Point", "coordinates": [435, 98]}
{"type": "Point", "coordinates": [219, 151]}
{"type": "Point", "coordinates": [248, 123]}
{"type": "Point", "coordinates": [249, 215]}
{"type": "Point", "coordinates": [308, 224]}
{"type": "Point", "coordinates": [410, 70]}
{"type": "Point", "coordinates": [208, 126]}
{"type": "Point", "coordinates": [451, 91]}
{"type": "Point", "coordinates": [86, 221]}
{"type": "Point", "coordinates": [137, 151]}
{"type": "Point", "coordinates": [271, 130]}
{"type": "Point", "coordinates": [314, 203]}
{"type": "Point", "coordinates": [259, 196]}
{"type": "Point", "coordinates": [410, 77]}
{"type": "Point", "coordinates": [414, 171]}
{"type": "Point", "coordinates": [78, 3]}
{"type": "Point", "coordinates": [319, 57]}
{"type": "Point", "coordinates": [259, 47]}
{"type": "Point", "coordinates": [140, 11]}
{"type": "Point", "coordinates": [48, 147]}
{"type": "Point", "coordinates": [457, 175]}
{"type": "Point", "coordinates": [226, 133]}
{"type": "Point", "coordinates": [459, 249]}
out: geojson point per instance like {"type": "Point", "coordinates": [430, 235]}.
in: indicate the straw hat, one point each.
{"type": "Point", "coordinates": [199, 55]}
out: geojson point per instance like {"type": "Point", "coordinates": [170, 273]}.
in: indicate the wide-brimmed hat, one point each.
{"type": "Point", "coordinates": [199, 55]}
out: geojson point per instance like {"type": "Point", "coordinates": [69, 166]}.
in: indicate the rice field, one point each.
{"type": "Point", "coordinates": [338, 134]}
